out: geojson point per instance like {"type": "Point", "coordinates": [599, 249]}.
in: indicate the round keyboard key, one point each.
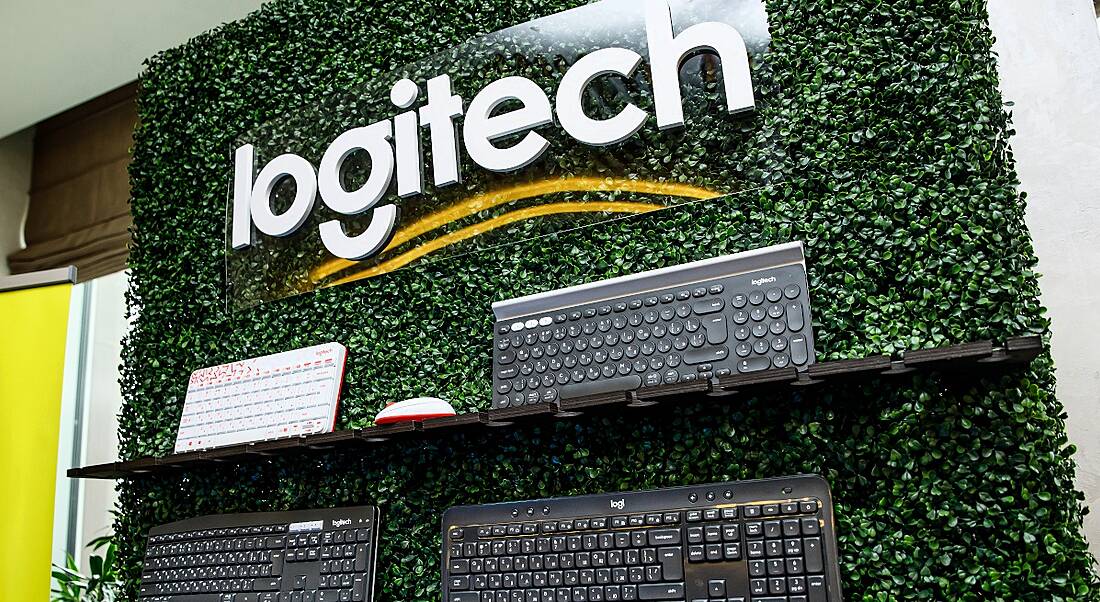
{"type": "Point", "coordinates": [667, 313]}
{"type": "Point", "coordinates": [595, 342]}
{"type": "Point", "coordinates": [667, 298]}
{"type": "Point", "coordinates": [517, 340]}
{"type": "Point", "coordinates": [759, 330]}
{"type": "Point", "coordinates": [699, 292]}
{"type": "Point", "coordinates": [716, 289]}
{"type": "Point", "coordinates": [578, 375]}
{"type": "Point", "coordinates": [778, 327]}
{"type": "Point", "coordinates": [532, 397]}
{"type": "Point", "coordinates": [585, 358]}
{"type": "Point", "coordinates": [581, 344]}
{"type": "Point", "coordinates": [608, 370]}
{"type": "Point", "coordinates": [779, 343]}
{"type": "Point", "coordinates": [619, 322]}
{"type": "Point", "coordinates": [611, 339]}
{"type": "Point", "coordinates": [758, 314]}
{"type": "Point", "coordinates": [683, 310]}
{"type": "Point", "coordinates": [683, 295]}
{"type": "Point", "coordinates": [664, 345]}
{"type": "Point", "coordinates": [635, 319]}
{"type": "Point", "coordinates": [552, 349]}
{"type": "Point", "coordinates": [675, 328]}
{"type": "Point", "coordinates": [627, 336]}
{"type": "Point", "coordinates": [623, 368]}
{"type": "Point", "coordinates": [616, 354]}
{"type": "Point", "coordinates": [590, 312]}
{"type": "Point", "coordinates": [526, 368]}
{"type": "Point", "coordinates": [640, 366]}
{"type": "Point", "coordinates": [533, 382]}
{"type": "Point", "coordinates": [740, 316]}
{"type": "Point", "coordinates": [562, 378]}
{"type": "Point", "coordinates": [632, 351]}
{"type": "Point", "coordinates": [600, 356]}
{"type": "Point", "coordinates": [692, 324]}
{"type": "Point", "coordinates": [540, 366]}
{"type": "Point", "coordinates": [531, 338]}
{"type": "Point", "coordinates": [559, 333]}
{"type": "Point", "coordinates": [743, 349]}
{"type": "Point", "coordinates": [781, 360]}
{"type": "Point", "coordinates": [605, 324]}
{"type": "Point", "coordinates": [642, 333]}
{"type": "Point", "coordinates": [558, 319]}
{"type": "Point", "coordinates": [792, 291]}
{"type": "Point", "coordinates": [739, 300]}
{"type": "Point", "coordinates": [656, 362]}
{"type": "Point", "coordinates": [659, 330]}
{"type": "Point", "coordinates": [548, 380]}
{"type": "Point", "coordinates": [773, 294]}
{"type": "Point", "coordinates": [651, 301]}
{"type": "Point", "coordinates": [605, 309]}
{"type": "Point", "coordinates": [680, 343]}
{"type": "Point", "coordinates": [756, 297]}
{"type": "Point", "coordinates": [519, 384]}
{"type": "Point", "coordinates": [589, 328]}
{"type": "Point", "coordinates": [775, 310]}
{"type": "Point", "coordinates": [574, 330]}
{"type": "Point", "coordinates": [634, 303]}
{"type": "Point", "coordinates": [651, 380]}
{"type": "Point", "coordinates": [619, 307]}
{"type": "Point", "coordinates": [549, 395]}
{"type": "Point", "coordinates": [567, 346]}
{"type": "Point", "coordinates": [673, 360]}
{"type": "Point", "coordinates": [671, 376]}
{"type": "Point", "coordinates": [760, 346]}
{"type": "Point", "coordinates": [593, 372]}
{"type": "Point", "coordinates": [555, 363]}
{"type": "Point", "coordinates": [651, 317]}
{"type": "Point", "coordinates": [570, 361]}
{"type": "Point", "coordinates": [648, 348]}
{"type": "Point", "coordinates": [574, 316]}
{"type": "Point", "coordinates": [741, 333]}
{"type": "Point", "coordinates": [698, 339]}
{"type": "Point", "coordinates": [536, 352]}
{"type": "Point", "coordinates": [503, 344]}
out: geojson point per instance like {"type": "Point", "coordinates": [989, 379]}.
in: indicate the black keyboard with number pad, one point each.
{"type": "Point", "coordinates": [734, 314]}
{"type": "Point", "coordinates": [770, 540]}
{"type": "Point", "coordinates": [297, 556]}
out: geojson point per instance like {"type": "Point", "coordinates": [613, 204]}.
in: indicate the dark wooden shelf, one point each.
{"type": "Point", "coordinates": [964, 358]}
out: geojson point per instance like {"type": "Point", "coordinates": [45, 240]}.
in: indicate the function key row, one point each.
{"type": "Point", "coordinates": [227, 532]}
{"type": "Point", "coordinates": [616, 307]}
{"type": "Point", "coordinates": [579, 524]}
{"type": "Point", "coordinates": [752, 511]}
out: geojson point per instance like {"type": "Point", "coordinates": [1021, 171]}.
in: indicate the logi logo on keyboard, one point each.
{"type": "Point", "coordinates": [341, 522]}
{"type": "Point", "coordinates": [768, 280]}
{"type": "Point", "coordinates": [618, 504]}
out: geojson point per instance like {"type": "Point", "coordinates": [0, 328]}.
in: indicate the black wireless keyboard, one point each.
{"type": "Point", "coordinates": [752, 541]}
{"type": "Point", "coordinates": [301, 556]}
{"type": "Point", "coordinates": [738, 313]}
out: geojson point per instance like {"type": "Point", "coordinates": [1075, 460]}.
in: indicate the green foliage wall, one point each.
{"type": "Point", "coordinates": [884, 135]}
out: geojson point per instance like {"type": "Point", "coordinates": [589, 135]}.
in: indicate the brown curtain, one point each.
{"type": "Point", "coordinates": [79, 211]}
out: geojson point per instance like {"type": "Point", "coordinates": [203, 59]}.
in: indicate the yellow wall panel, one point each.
{"type": "Point", "coordinates": [32, 363]}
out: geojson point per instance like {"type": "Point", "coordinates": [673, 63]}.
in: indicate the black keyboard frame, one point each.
{"type": "Point", "coordinates": [252, 524]}
{"type": "Point", "coordinates": [538, 357]}
{"type": "Point", "coordinates": [676, 499]}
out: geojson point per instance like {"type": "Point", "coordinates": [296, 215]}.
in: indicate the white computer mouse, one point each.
{"type": "Point", "coordinates": [414, 410]}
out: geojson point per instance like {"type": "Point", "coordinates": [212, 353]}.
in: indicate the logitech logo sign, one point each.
{"type": "Point", "coordinates": [618, 504]}
{"type": "Point", "coordinates": [759, 281]}
{"type": "Point", "coordinates": [446, 123]}
{"type": "Point", "coordinates": [343, 522]}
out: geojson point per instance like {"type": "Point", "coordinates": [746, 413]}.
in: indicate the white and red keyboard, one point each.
{"type": "Point", "coordinates": [282, 395]}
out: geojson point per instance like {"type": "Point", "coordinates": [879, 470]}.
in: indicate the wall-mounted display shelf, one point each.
{"type": "Point", "coordinates": [966, 358]}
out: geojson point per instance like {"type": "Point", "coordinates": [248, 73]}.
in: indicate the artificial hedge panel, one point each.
{"type": "Point", "coordinates": [882, 140]}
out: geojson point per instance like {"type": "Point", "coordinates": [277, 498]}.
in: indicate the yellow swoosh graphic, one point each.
{"type": "Point", "coordinates": [487, 225]}
{"type": "Point", "coordinates": [488, 200]}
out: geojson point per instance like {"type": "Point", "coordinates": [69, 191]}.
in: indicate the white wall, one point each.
{"type": "Point", "coordinates": [1049, 61]}
{"type": "Point", "coordinates": [55, 54]}
{"type": "Point", "coordinates": [15, 182]}
{"type": "Point", "coordinates": [107, 326]}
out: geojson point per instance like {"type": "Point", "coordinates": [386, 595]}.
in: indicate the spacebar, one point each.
{"type": "Point", "coordinates": [606, 385]}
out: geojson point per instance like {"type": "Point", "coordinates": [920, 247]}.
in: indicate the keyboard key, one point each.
{"type": "Point", "coordinates": [661, 591]}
